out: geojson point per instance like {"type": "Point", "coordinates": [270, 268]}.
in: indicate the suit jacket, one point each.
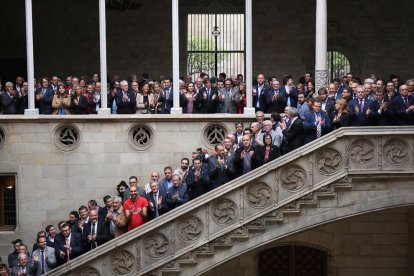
{"type": "Point", "coordinates": [261, 152]}
{"type": "Point", "coordinates": [401, 117]}
{"type": "Point", "coordinates": [239, 162]}
{"type": "Point", "coordinates": [381, 118]}
{"type": "Point", "coordinates": [102, 235]}
{"type": "Point", "coordinates": [218, 175]}
{"type": "Point", "coordinates": [16, 270]}
{"type": "Point", "coordinates": [81, 107]}
{"type": "Point", "coordinates": [293, 136]}
{"type": "Point", "coordinates": [360, 118]}
{"type": "Point", "coordinates": [260, 97]}
{"type": "Point", "coordinates": [166, 103]}
{"type": "Point", "coordinates": [163, 185]}
{"type": "Point", "coordinates": [329, 107]}
{"type": "Point", "coordinates": [181, 192]}
{"type": "Point", "coordinates": [292, 96]}
{"type": "Point", "coordinates": [231, 99]}
{"type": "Point", "coordinates": [45, 104]}
{"type": "Point", "coordinates": [343, 121]}
{"type": "Point", "coordinates": [141, 104]}
{"type": "Point", "coordinates": [22, 103]}
{"type": "Point", "coordinates": [36, 268]}
{"type": "Point", "coordinates": [9, 103]}
{"type": "Point", "coordinates": [125, 107]}
{"type": "Point", "coordinates": [198, 187]}
{"type": "Point", "coordinates": [207, 105]}
{"type": "Point", "coordinates": [93, 105]}
{"type": "Point", "coordinates": [278, 104]}
{"type": "Point", "coordinates": [75, 244]}
{"type": "Point", "coordinates": [311, 129]}
{"type": "Point", "coordinates": [162, 209]}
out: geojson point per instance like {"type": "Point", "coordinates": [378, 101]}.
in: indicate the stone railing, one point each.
{"type": "Point", "coordinates": [263, 195]}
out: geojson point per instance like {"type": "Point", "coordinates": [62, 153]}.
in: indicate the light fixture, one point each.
{"type": "Point", "coordinates": [123, 4]}
{"type": "Point", "coordinates": [10, 187]}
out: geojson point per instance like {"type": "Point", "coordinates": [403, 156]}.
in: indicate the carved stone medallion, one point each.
{"type": "Point", "coordinates": [90, 271]}
{"type": "Point", "coordinates": [362, 152]}
{"type": "Point", "coordinates": [224, 211]}
{"type": "Point", "coordinates": [293, 178]}
{"type": "Point", "coordinates": [328, 161]}
{"type": "Point", "coordinates": [190, 229]}
{"type": "Point", "coordinates": [395, 151]}
{"type": "Point", "coordinates": [259, 194]}
{"type": "Point", "coordinates": [156, 245]}
{"type": "Point", "coordinates": [122, 262]}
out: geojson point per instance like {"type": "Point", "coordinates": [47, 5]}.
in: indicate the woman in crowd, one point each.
{"type": "Point", "coordinates": [242, 96]}
{"type": "Point", "coordinates": [310, 93]}
{"type": "Point", "coordinates": [61, 101]}
{"type": "Point", "coordinates": [189, 98]}
{"type": "Point", "coordinates": [145, 100]}
{"type": "Point", "coordinates": [157, 93]}
{"type": "Point", "coordinates": [268, 152]}
{"type": "Point", "coordinates": [88, 92]}
{"type": "Point", "coordinates": [78, 101]}
{"type": "Point", "coordinates": [341, 115]}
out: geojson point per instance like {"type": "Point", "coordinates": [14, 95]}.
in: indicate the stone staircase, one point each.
{"type": "Point", "coordinates": [299, 190]}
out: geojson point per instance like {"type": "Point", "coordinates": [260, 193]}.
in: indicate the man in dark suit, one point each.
{"type": "Point", "coordinates": [244, 157]}
{"type": "Point", "coordinates": [403, 107]}
{"type": "Point", "coordinates": [156, 201]}
{"type": "Point", "coordinates": [275, 98]}
{"type": "Point", "coordinates": [166, 99]}
{"type": "Point", "coordinates": [69, 246]}
{"type": "Point", "coordinates": [198, 179]}
{"type": "Point", "coordinates": [207, 98]}
{"type": "Point", "coordinates": [380, 113]}
{"type": "Point", "coordinates": [238, 135]}
{"type": "Point", "coordinates": [293, 132]}
{"type": "Point", "coordinates": [95, 232]}
{"type": "Point", "coordinates": [166, 183]}
{"type": "Point", "coordinates": [259, 93]}
{"type": "Point", "coordinates": [360, 108]}
{"type": "Point", "coordinates": [316, 123]}
{"type": "Point", "coordinates": [44, 97]}
{"type": "Point", "coordinates": [9, 99]}
{"type": "Point", "coordinates": [125, 100]}
{"type": "Point", "coordinates": [221, 170]}
{"type": "Point", "coordinates": [24, 265]}
{"type": "Point", "coordinates": [290, 91]}
{"type": "Point", "coordinates": [328, 104]}
{"type": "Point", "coordinates": [177, 194]}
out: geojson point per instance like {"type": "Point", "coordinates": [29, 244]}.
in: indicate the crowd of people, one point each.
{"type": "Point", "coordinates": [298, 115]}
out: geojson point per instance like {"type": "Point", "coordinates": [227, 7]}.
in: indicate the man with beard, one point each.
{"type": "Point", "coordinates": [135, 209]}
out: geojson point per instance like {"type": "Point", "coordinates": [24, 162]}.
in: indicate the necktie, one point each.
{"type": "Point", "coordinates": [93, 245]}
{"type": "Point", "coordinates": [361, 105]}
{"type": "Point", "coordinates": [43, 91]}
{"type": "Point", "coordinates": [318, 127]}
{"type": "Point", "coordinates": [208, 93]}
{"type": "Point", "coordinates": [67, 249]}
{"type": "Point", "coordinates": [167, 93]}
{"type": "Point", "coordinates": [42, 258]}
{"type": "Point", "coordinates": [156, 205]}
{"type": "Point", "coordinates": [406, 102]}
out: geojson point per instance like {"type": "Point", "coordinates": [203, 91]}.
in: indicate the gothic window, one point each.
{"type": "Point", "coordinates": [338, 65]}
{"type": "Point", "coordinates": [7, 202]}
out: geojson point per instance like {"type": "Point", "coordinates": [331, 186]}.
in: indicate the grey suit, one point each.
{"type": "Point", "coordinates": [230, 101]}
{"type": "Point", "coordinates": [50, 263]}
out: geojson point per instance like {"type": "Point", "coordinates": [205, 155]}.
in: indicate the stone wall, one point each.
{"type": "Point", "coordinates": [51, 182]}
{"type": "Point", "coordinates": [374, 244]}
{"type": "Point", "coordinates": [373, 34]}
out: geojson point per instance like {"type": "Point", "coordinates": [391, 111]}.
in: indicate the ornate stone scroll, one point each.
{"type": "Point", "coordinates": [122, 262]}
{"type": "Point", "coordinates": [328, 161]}
{"type": "Point", "coordinates": [395, 151]}
{"type": "Point", "coordinates": [190, 229]}
{"type": "Point", "coordinates": [259, 194]}
{"type": "Point", "coordinates": [156, 245]}
{"type": "Point", "coordinates": [362, 152]}
{"type": "Point", "coordinates": [293, 178]}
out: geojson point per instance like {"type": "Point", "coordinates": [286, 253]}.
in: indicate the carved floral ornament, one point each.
{"type": "Point", "coordinates": [190, 229]}
{"type": "Point", "coordinates": [362, 152]}
{"type": "Point", "coordinates": [395, 151]}
{"type": "Point", "coordinates": [328, 161]}
{"type": "Point", "coordinates": [89, 271]}
{"type": "Point", "coordinates": [2, 137]}
{"type": "Point", "coordinates": [224, 211]}
{"type": "Point", "coordinates": [122, 262]}
{"type": "Point", "coordinates": [259, 194]}
{"type": "Point", "coordinates": [156, 245]}
{"type": "Point", "coordinates": [293, 177]}
{"type": "Point", "coordinates": [140, 136]}
{"type": "Point", "coordinates": [214, 134]}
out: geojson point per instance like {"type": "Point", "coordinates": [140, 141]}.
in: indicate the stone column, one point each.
{"type": "Point", "coordinates": [321, 72]}
{"type": "Point", "coordinates": [176, 109]}
{"type": "Point", "coordinates": [31, 111]}
{"type": "Point", "coordinates": [104, 110]}
{"type": "Point", "coordinates": [249, 109]}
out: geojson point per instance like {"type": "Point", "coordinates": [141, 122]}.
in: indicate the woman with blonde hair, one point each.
{"type": "Point", "coordinates": [61, 101]}
{"type": "Point", "coordinates": [341, 115]}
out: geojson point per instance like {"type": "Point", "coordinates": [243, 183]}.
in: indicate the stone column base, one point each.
{"type": "Point", "coordinates": [176, 110]}
{"type": "Point", "coordinates": [321, 79]}
{"type": "Point", "coordinates": [31, 112]}
{"type": "Point", "coordinates": [104, 111]}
